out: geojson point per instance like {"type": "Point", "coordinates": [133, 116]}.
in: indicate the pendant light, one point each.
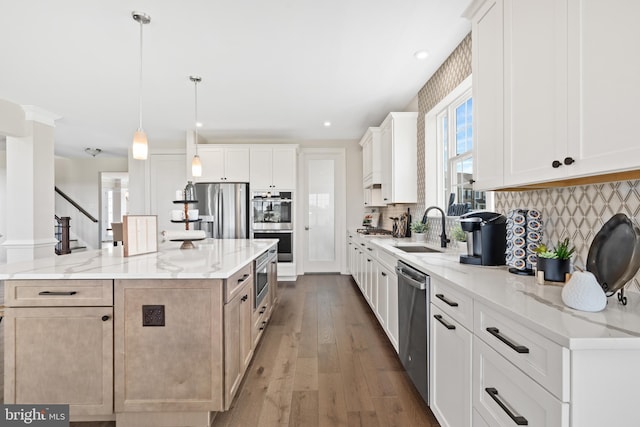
{"type": "Point", "coordinates": [196, 164]}
{"type": "Point", "coordinates": [140, 147]}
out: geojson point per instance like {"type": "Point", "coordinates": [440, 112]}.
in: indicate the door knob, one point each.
{"type": "Point", "coordinates": [569, 160]}
{"type": "Point", "coordinates": [556, 164]}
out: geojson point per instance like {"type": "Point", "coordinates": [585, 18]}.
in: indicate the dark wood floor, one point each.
{"type": "Point", "coordinates": [323, 361]}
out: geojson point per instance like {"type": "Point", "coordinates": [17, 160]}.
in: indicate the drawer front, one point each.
{"type": "Point", "coordinates": [234, 283]}
{"type": "Point", "coordinates": [504, 396]}
{"type": "Point", "coordinates": [386, 259]}
{"type": "Point", "coordinates": [540, 358]}
{"type": "Point", "coordinates": [58, 293]}
{"type": "Point", "coordinates": [259, 321]}
{"type": "Point", "coordinates": [455, 303]}
{"type": "Point", "coordinates": [370, 249]}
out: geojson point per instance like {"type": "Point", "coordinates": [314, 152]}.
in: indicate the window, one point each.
{"type": "Point", "coordinates": [449, 152]}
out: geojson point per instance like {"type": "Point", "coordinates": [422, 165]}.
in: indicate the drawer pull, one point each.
{"type": "Point", "coordinates": [446, 300]}
{"type": "Point", "coordinates": [243, 278]}
{"type": "Point", "coordinates": [105, 318]}
{"type": "Point", "coordinates": [244, 298]}
{"type": "Point", "coordinates": [262, 310]}
{"type": "Point", "coordinates": [369, 249]}
{"type": "Point", "coordinates": [65, 293]}
{"type": "Point", "coordinates": [361, 244]}
{"type": "Point", "coordinates": [264, 324]}
{"type": "Point", "coordinates": [518, 419]}
{"type": "Point", "coordinates": [441, 320]}
{"type": "Point", "coordinates": [518, 348]}
{"type": "Point", "coordinates": [384, 274]}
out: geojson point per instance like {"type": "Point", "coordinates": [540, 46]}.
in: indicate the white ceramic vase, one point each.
{"type": "Point", "coordinates": [583, 292]}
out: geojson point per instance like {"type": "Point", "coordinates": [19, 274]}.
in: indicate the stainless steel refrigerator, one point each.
{"type": "Point", "coordinates": [224, 209]}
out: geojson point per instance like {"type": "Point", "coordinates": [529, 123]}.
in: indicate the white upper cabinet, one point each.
{"type": "Point", "coordinates": [221, 163]}
{"type": "Point", "coordinates": [488, 104]}
{"type": "Point", "coordinates": [371, 158]}
{"type": "Point", "coordinates": [273, 167]}
{"type": "Point", "coordinates": [604, 66]}
{"type": "Point", "coordinates": [551, 89]}
{"type": "Point", "coordinates": [398, 135]}
{"type": "Point", "coordinates": [535, 82]}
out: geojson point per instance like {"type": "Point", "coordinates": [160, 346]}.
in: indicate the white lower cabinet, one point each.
{"type": "Point", "coordinates": [478, 421]}
{"type": "Point", "coordinates": [504, 396]}
{"type": "Point", "coordinates": [373, 272]}
{"type": "Point", "coordinates": [450, 370]}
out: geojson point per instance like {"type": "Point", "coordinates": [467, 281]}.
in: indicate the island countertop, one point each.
{"type": "Point", "coordinates": [210, 259]}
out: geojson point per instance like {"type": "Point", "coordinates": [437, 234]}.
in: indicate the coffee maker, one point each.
{"type": "Point", "coordinates": [486, 238]}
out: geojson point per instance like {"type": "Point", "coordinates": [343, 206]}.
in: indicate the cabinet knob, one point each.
{"type": "Point", "coordinates": [569, 161]}
{"type": "Point", "coordinates": [105, 318]}
{"type": "Point", "coordinates": [556, 164]}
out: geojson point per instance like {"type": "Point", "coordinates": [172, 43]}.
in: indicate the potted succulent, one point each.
{"type": "Point", "coordinates": [555, 264]}
{"type": "Point", "coordinates": [419, 229]}
{"type": "Point", "coordinates": [460, 236]}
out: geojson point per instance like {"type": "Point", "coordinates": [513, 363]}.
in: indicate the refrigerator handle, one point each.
{"type": "Point", "coordinates": [220, 213]}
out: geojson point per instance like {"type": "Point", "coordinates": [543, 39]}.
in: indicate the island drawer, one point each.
{"type": "Point", "coordinates": [58, 293]}
{"type": "Point", "coordinates": [456, 304]}
{"type": "Point", "coordinates": [543, 360]}
{"type": "Point", "coordinates": [234, 284]}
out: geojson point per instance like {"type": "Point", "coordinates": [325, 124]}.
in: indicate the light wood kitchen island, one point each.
{"type": "Point", "coordinates": [161, 339]}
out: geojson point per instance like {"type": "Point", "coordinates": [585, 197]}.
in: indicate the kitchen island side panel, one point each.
{"type": "Point", "coordinates": [168, 345]}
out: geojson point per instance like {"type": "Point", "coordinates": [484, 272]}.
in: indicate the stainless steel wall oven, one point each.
{"type": "Point", "coordinates": [272, 218]}
{"type": "Point", "coordinates": [285, 242]}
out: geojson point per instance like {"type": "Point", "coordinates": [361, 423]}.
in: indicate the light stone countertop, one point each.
{"type": "Point", "coordinates": [520, 298]}
{"type": "Point", "coordinates": [211, 259]}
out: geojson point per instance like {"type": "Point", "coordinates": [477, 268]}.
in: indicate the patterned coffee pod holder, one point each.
{"type": "Point", "coordinates": [524, 234]}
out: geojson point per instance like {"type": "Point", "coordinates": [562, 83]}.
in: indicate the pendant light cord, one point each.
{"type": "Point", "coordinates": [140, 82]}
{"type": "Point", "coordinates": [196, 114]}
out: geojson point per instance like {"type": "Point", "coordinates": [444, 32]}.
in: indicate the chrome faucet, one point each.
{"type": "Point", "coordinates": [443, 236]}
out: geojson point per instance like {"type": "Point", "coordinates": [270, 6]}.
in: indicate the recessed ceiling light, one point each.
{"type": "Point", "coordinates": [199, 124]}
{"type": "Point", "coordinates": [421, 54]}
{"type": "Point", "coordinates": [327, 124]}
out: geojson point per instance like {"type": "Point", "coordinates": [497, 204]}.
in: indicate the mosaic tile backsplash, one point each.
{"type": "Point", "coordinates": [578, 212]}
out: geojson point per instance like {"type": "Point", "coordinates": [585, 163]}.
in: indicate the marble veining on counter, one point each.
{"type": "Point", "coordinates": [211, 259]}
{"type": "Point", "coordinates": [539, 307]}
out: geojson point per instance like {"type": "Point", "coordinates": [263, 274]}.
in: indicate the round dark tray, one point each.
{"type": "Point", "coordinates": [614, 255]}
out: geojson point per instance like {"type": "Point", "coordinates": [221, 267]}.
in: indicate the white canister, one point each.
{"type": "Point", "coordinates": [177, 215]}
{"type": "Point", "coordinates": [193, 214]}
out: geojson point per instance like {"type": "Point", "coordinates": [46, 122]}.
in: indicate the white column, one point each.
{"type": "Point", "coordinates": [30, 188]}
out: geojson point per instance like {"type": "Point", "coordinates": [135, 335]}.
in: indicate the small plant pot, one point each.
{"type": "Point", "coordinates": [554, 270]}
{"type": "Point", "coordinates": [419, 237]}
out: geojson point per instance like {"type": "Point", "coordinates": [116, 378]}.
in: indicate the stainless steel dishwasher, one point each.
{"type": "Point", "coordinates": [413, 312]}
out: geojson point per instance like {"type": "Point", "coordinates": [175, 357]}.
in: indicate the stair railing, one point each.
{"type": "Point", "coordinates": [75, 204]}
{"type": "Point", "coordinates": [61, 227]}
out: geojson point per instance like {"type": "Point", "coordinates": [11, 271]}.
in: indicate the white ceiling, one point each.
{"type": "Point", "coordinates": [272, 70]}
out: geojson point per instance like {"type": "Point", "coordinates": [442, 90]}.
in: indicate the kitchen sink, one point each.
{"type": "Point", "coordinates": [416, 248]}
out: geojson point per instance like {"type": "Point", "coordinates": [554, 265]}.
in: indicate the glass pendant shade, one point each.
{"type": "Point", "coordinates": [140, 147]}
{"type": "Point", "coordinates": [196, 166]}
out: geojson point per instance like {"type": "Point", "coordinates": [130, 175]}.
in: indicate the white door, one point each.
{"type": "Point", "coordinates": [323, 205]}
{"type": "Point", "coordinates": [166, 176]}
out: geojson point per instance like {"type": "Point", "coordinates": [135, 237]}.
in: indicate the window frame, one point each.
{"type": "Point", "coordinates": [434, 150]}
